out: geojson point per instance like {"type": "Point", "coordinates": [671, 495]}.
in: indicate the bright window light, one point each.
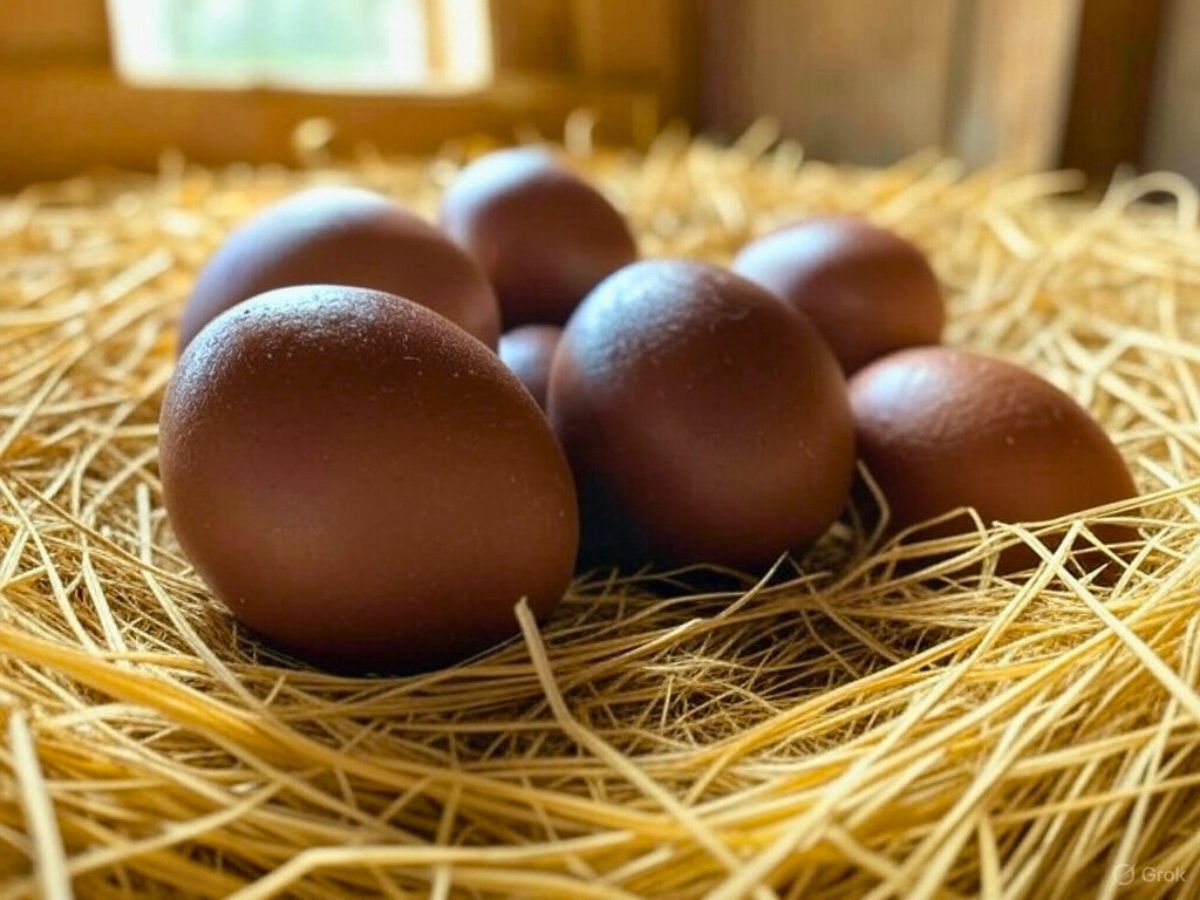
{"type": "Point", "coordinates": [320, 45]}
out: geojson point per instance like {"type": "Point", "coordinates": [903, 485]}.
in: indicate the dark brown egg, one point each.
{"type": "Point", "coordinates": [344, 235]}
{"type": "Point", "coordinates": [528, 351]}
{"type": "Point", "coordinates": [868, 291]}
{"type": "Point", "coordinates": [544, 236]}
{"type": "Point", "coordinates": [942, 428]}
{"type": "Point", "coordinates": [705, 421]}
{"type": "Point", "coordinates": [362, 482]}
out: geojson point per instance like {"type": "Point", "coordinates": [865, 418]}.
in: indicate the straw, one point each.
{"type": "Point", "coordinates": [855, 723]}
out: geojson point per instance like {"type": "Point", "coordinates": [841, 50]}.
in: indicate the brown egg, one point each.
{"type": "Point", "coordinates": [942, 428]}
{"type": "Point", "coordinates": [362, 482]}
{"type": "Point", "coordinates": [705, 421]}
{"type": "Point", "coordinates": [528, 351]}
{"type": "Point", "coordinates": [544, 236]}
{"type": "Point", "coordinates": [868, 291]}
{"type": "Point", "coordinates": [344, 235]}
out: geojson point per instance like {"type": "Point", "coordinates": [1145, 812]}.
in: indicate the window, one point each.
{"type": "Point", "coordinates": [314, 45]}
{"type": "Point", "coordinates": [230, 80]}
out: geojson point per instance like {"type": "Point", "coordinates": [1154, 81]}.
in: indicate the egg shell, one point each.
{"type": "Point", "coordinates": [705, 421]}
{"type": "Point", "coordinates": [350, 236]}
{"type": "Point", "coordinates": [528, 352]}
{"type": "Point", "coordinates": [941, 428]}
{"type": "Point", "coordinates": [362, 482]}
{"type": "Point", "coordinates": [543, 235]}
{"type": "Point", "coordinates": [868, 291]}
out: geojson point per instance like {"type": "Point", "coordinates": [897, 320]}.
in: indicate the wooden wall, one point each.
{"type": "Point", "coordinates": [37, 32]}
{"type": "Point", "coordinates": [1173, 137]}
{"type": "Point", "coordinates": [854, 78]}
{"type": "Point", "coordinates": [1009, 78]}
{"type": "Point", "coordinates": [1039, 83]}
{"type": "Point", "coordinates": [1035, 82]}
{"type": "Point", "coordinates": [64, 109]}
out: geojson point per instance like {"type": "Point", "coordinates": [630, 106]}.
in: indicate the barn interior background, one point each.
{"type": "Point", "coordinates": [1040, 83]}
{"type": "Point", "coordinates": [859, 732]}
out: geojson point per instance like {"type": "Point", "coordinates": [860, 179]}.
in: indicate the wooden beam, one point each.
{"type": "Point", "coordinates": [653, 42]}
{"type": "Point", "coordinates": [531, 36]}
{"type": "Point", "coordinates": [1173, 132]}
{"type": "Point", "coordinates": [1113, 83]}
{"type": "Point", "coordinates": [855, 80]}
{"type": "Point", "coordinates": [35, 31]}
{"type": "Point", "coordinates": [61, 121]}
{"type": "Point", "coordinates": [1010, 80]}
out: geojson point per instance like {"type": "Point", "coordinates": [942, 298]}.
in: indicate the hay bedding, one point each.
{"type": "Point", "coordinates": [848, 727]}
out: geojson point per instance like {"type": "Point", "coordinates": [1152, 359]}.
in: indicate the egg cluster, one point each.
{"type": "Point", "coordinates": [369, 475]}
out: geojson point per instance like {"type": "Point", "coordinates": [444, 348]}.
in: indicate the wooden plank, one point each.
{"type": "Point", "coordinates": [857, 80]}
{"type": "Point", "coordinates": [437, 37]}
{"type": "Point", "coordinates": [648, 41]}
{"type": "Point", "coordinates": [33, 31]}
{"type": "Point", "coordinates": [110, 123]}
{"type": "Point", "coordinates": [1114, 77]}
{"type": "Point", "coordinates": [1173, 130]}
{"type": "Point", "coordinates": [1010, 80]}
{"type": "Point", "coordinates": [531, 36]}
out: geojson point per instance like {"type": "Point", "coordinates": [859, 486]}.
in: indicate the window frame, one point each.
{"type": "Point", "coordinates": [65, 110]}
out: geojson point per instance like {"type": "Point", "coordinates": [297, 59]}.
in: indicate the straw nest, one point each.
{"type": "Point", "coordinates": [847, 727]}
